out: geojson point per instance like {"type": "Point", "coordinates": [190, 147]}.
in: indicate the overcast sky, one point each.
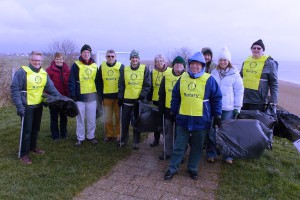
{"type": "Point", "coordinates": [154, 26]}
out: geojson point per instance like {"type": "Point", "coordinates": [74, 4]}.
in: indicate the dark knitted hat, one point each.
{"type": "Point", "coordinates": [86, 47]}
{"type": "Point", "coordinates": [260, 43]}
{"type": "Point", "coordinates": [134, 54]}
{"type": "Point", "coordinates": [207, 50]}
{"type": "Point", "coordinates": [178, 59]}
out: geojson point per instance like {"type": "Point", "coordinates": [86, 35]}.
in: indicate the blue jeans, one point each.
{"type": "Point", "coordinates": [211, 151]}
{"type": "Point", "coordinates": [196, 142]}
{"type": "Point", "coordinates": [226, 115]}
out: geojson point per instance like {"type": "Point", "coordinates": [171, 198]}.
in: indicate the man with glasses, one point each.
{"type": "Point", "coordinates": [259, 73]}
{"type": "Point", "coordinates": [107, 88]}
{"type": "Point", "coordinates": [27, 87]}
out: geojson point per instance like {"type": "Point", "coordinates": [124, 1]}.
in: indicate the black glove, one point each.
{"type": "Point", "coordinates": [120, 102]}
{"type": "Point", "coordinates": [172, 117]}
{"type": "Point", "coordinates": [73, 98]}
{"type": "Point", "coordinates": [217, 122]}
{"type": "Point", "coordinates": [21, 110]}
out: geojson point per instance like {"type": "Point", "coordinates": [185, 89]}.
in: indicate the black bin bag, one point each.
{"type": "Point", "coordinates": [149, 118]}
{"type": "Point", "coordinates": [268, 120]}
{"type": "Point", "coordinates": [67, 105]}
{"type": "Point", "coordinates": [288, 125]}
{"type": "Point", "coordinates": [243, 138]}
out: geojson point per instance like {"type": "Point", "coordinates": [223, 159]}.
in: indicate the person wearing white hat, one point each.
{"type": "Point", "coordinates": [232, 88]}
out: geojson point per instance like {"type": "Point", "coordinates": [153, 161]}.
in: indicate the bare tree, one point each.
{"type": "Point", "coordinates": [184, 52]}
{"type": "Point", "coordinates": [65, 46]}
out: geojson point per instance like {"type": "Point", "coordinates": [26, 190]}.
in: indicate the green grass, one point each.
{"type": "Point", "coordinates": [276, 175]}
{"type": "Point", "coordinates": [59, 174]}
{"type": "Point", "coordinates": [64, 170]}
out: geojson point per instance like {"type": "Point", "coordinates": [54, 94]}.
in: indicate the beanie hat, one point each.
{"type": "Point", "coordinates": [86, 47]}
{"type": "Point", "coordinates": [178, 59]}
{"type": "Point", "coordinates": [134, 54]}
{"type": "Point", "coordinates": [207, 50]}
{"type": "Point", "coordinates": [225, 54]}
{"type": "Point", "coordinates": [260, 43]}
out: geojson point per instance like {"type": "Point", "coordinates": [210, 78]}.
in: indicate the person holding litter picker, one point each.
{"type": "Point", "coordinates": [164, 104]}
{"type": "Point", "coordinates": [27, 87]}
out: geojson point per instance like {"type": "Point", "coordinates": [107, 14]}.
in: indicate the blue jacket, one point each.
{"type": "Point", "coordinates": [211, 108]}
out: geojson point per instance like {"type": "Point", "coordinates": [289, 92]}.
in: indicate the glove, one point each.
{"type": "Point", "coordinates": [21, 111]}
{"type": "Point", "coordinates": [73, 98]}
{"type": "Point", "coordinates": [236, 112]}
{"type": "Point", "coordinates": [217, 122]}
{"type": "Point", "coordinates": [172, 117]}
{"type": "Point", "coordinates": [120, 102]}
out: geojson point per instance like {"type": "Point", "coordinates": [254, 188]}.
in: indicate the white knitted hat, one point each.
{"type": "Point", "coordinates": [225, 54]}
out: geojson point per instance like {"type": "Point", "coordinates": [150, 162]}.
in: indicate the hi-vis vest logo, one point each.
{"type": "Point", "coordinates": [110, 72]}
{"type": "Point", "coordinates": [253, 64]}
{"type": "Point", "coordinates": [88, 73]}
{"type": "Point", "coordinates": [133, 76]}
{"type": "Point", "coordinates": [191, 86]}
{"type": "Point", "coordinates": [38, 79]}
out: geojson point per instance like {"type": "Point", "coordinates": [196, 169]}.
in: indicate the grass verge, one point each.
{"type": "Point", "coordinates": [276, 175]}
{"type": "Point", "coordinates": [59, 174]}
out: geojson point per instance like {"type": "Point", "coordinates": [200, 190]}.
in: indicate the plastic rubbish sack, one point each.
{"type": "Point", "coordinates": [149, 118]}
{"type": "Point", "coordinates": [268, 120]}
{"type": "Point", "coordinates": [67, 105]}
{"type": "Point", "coordinates": [288, 125]}
{"type": "Point", "coordinates": [243, 138]}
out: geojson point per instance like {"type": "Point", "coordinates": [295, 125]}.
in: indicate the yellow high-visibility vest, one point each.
{"type": "Point", "coordinates": [170, 81]}
{"type": "Point", "coordinates": [110, 76]}
{"type": "Point", "coordinates": [192, 95]}
{"type": "Point", "coordinates": [87, 75]}
{"type": "Point", "coordinates": [156, 80]}
{"type": "Point", "coordinates": [36, 82]}
{"type": "Point", "coordinates": [133, 81]}
{"type": "Point", "coordinates": [252, 71]}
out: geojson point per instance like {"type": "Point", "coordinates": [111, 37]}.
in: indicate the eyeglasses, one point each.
{"type": "Point", "coordinates": [35, 60]}
{"type": "Point", "coordinates": [110, 56]}
{"type": "Point", "coordinates": [258, 48]}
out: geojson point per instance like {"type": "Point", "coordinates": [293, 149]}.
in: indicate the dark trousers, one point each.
{"type": "Point", "coordinates": [31, 128]}
{"type": "Point", "coordinates": [54, 113]}
{"type": "Point", "coordinates": [129, 113]}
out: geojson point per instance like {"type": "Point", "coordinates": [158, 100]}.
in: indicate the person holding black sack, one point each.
{"type": "Point", "coordinates": [134, 85]}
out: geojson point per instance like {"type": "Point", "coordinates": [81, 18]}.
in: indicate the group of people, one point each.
{"type": "Point", "coordinates": [193, 98]}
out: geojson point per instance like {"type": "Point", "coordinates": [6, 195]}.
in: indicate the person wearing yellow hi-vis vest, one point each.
{"type": "Point", "coordinates": [157, 74]}
{"type": "Point", "coordinates": [134, 85]}
{"type": "Point", "coordinates": [164, 102]}
{"type": "Point", "coordinates": [28, 85]}
{"type": "Point", "coordinates": [196, 98]}
{"type": "Point", "coordinates": [82, 89]}
{"type": "Point", "coordinates": [259, 73]}
{"type": "Point", "coordinates": [107, 79]}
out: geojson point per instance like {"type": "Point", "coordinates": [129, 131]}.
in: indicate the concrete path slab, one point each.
{"type": "Point", "coordinates": [141, 176]}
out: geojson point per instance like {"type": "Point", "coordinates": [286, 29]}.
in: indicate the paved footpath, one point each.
{"type": "Point", "coordinates": [141, 176]}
